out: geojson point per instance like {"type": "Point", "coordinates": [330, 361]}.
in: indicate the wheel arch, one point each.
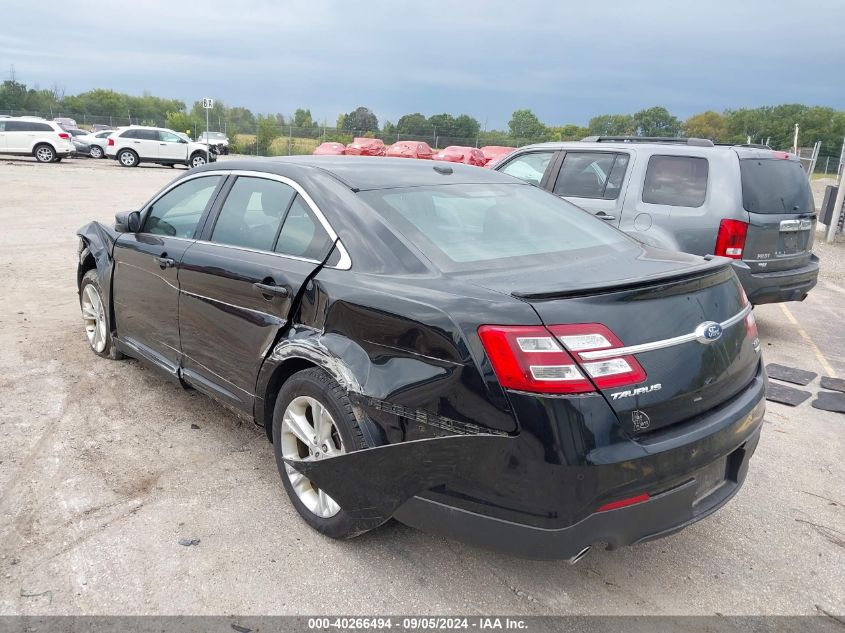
{"type": "Point", "coordinates": [280, 374]}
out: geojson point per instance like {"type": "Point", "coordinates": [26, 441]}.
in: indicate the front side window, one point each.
{"type": "Point", "coordinates": [591, 175]}
{"type": "Point", "coordinates": [678, 181]}
{"type": "Point", "coordinates": [168, 137]}
{"type": "Point", "coordinates": [302, 234]}
{"type": "Point", "coordinates": [467, 227]}
{"type": "Point", "coordinates": [528, 167]}
{"type": "Point", "coordinates": [178, 212]}
{"type": "Point", "coordinates": [252, 213]}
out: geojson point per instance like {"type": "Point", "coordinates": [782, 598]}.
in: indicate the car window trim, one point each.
{"type": "Point", "coordinates": [345, 262]}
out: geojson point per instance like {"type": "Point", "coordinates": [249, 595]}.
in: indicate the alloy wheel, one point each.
{"type": "Point", "coordinates": [94, 316]}
{"type": "Point", "coordinates": [198, 160]}
{"type": "Point", "coordinates": [44, 154]}
{"type": "Point", "coordinates": [309, 433]}
{"type": "Point", "coordinates": [96, 151]}
{"type": "Point", "coordinates": [127, 159]}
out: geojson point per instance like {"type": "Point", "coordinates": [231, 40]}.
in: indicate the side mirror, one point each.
{"type": "Point", "coordinates": [127, 222]}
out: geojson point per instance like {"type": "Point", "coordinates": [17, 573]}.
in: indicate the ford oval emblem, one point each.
{"type": "Point", "coordinates": [708, 332]}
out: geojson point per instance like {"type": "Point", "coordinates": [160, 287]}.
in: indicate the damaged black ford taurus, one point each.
{"type": "Point", "coordinates": [444, 345]}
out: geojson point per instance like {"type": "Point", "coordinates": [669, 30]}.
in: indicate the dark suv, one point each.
{"type": "Point", "coordinates": [749, 203]}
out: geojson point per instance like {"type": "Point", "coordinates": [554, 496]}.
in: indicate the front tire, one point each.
{"type": "Point", "coordinates": [127, 158]}
{"type": "Point", "coordinates": [313, 419]}
{"type": "Point", "coordinates": [95, 316]}
{"type": "Point", "coordinates": [44, 153]}
{"type": "Point", "coordinates": [197, 160]}
{"type": "Point", "coordinates": [96, 151]}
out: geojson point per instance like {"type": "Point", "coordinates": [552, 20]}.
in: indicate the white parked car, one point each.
{"type": "Point", "coordinates": [215, 139]}
{"type": "Point", "coordinates": [141, 144]}
{"type": "Point", "coordinates": [32, 136]}
{"type": "Point", "coordinates": [97, 142]}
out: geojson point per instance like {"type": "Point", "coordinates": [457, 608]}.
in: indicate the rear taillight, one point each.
{"type": "Point", "coordinates": [751, 326]}
{"type": "Point", "coordinates": [607, 372]}
{"type": "Point", "coordinates": [731, 238]}
{"type": "Point", "coordinates": [528, 358]}
{"type": "Point", "coordinates": [549, 360]}
{"type": "Point", "coordinates": [111, 142]}
{"type": "Point", "coordinates": [64, 135]}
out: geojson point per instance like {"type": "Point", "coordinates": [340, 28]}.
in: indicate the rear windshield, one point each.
{"type": "Point", "coordinates": [465, 226]}
{"type": "Point", "coordinates": [775, 186]}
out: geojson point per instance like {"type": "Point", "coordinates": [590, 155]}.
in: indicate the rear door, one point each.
{"type": "Point", "coordinates": [781, 213]}
{"type": "Point", "coordinates": [145, 283]}
{"type": "Point", "coordinates": [594, 181]}
{"type": "Point", "coordinates": [239, 283]}
{"type": "Point", "coordinates": [19, 136]}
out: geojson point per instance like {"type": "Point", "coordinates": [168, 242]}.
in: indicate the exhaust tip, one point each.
{"type": "Point", "coordinates": [579, 555]}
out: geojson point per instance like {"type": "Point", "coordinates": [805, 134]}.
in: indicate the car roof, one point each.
{"type": "Point", "coordinates": [361, 173]}
{"type": "Point", "coordinates": [680, 148]}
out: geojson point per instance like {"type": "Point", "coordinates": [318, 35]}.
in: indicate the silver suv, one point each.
{"type": "Point", "coordinates": [749, 203]}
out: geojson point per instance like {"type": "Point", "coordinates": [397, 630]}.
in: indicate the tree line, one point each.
{"type": "Point", "coordinates": [772, 124]}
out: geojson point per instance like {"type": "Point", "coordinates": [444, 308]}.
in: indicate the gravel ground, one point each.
{"type": "Point", "coordinates": [101, 475]}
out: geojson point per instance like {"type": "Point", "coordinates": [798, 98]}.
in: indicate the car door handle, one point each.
{"type": "Point", "coordinates": [605, 216]}
{"type": "Point", "coordinates": [271, 290]}
{"type": "Point", "coordinates": [165, 262]}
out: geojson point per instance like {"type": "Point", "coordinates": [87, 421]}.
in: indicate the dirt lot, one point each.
{"type": "Point", "coordinates": [101, 474]}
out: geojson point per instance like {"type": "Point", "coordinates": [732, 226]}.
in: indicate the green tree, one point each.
{"type": "Point", "coordinates": [183, 122]}
{"type": "Point", "coordinates": [524, 125]}
{"type": "Point", "coordinates": [611, 125]}
{"type": "Point", "coordinates": [656, 121]}
{"type": "Point", "coordinates": [569, 132]}
{"type": "Point", "coordinates": [12, 95]}
{"type": "Point", "coordinates": [708, 124]}
{"type": "Point", "coordinates": [466, 127]}
{"type": "Point", "coordinates": [360, 120]}
{"type": "Point", "coordinates": [413, 125]}
{"type": "Point", "coordinates": [268, 130]}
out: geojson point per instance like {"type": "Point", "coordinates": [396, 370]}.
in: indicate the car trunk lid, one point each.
{"type": "Point", "coordinates": [781, 213]}
{"type": "Point", "coordinates": [685, 374]}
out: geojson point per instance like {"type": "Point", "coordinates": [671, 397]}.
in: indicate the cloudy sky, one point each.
{"type": "Point", "coordinates": [567, 61]}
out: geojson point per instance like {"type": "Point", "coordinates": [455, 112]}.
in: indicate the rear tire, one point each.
{"type": "Point", "coordinates": [309, 396]}
{"type": "Point", "coordinates": [44, 153]}
{"type": "Point", "coordinates": [95, 315]}
{"type": "Point", "coordinates": [127, 158]}
{"type": "Point", "coordinates": [96, 151]}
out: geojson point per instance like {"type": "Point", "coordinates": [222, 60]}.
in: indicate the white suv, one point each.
{"type": "Point", "coordinates": [32, 136]}
{"type": "Point", "coordinates": [140, 144]}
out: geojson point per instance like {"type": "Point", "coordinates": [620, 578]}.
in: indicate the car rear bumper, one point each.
{"type": "Point", "coordinates": [678, 497]}
{"type": "Point", "coordinates": [780, 285]}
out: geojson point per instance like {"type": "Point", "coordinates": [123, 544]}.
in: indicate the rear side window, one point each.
{"type": "Point", "coordinates": [302, 234]}
{"type": "Point", "coordinates": [775, 186]}
{"type": "Point", "coordinates": [678, 181]}
{"type": "Point", "coordinates": [129, 134]}
{"type": "Point", "coordinates": [252, 213]}
{"type": "Point", "coordinates": [528, 167]}
{"type": "Point", "coordinates": [591, 175]}
{"type": "Point", "coordinates": [178, 212]}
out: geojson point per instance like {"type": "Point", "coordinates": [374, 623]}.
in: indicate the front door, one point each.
{"type": "Point", "coordinates": [593, 180]}
{"type": "Point", "coordinates": [239, 283]}
{"type": "Point", "coordinates": [146, 285]}
{"type": "Point", "coordinates": [171, 147]}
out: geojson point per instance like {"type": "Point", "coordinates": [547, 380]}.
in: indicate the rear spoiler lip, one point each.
{"type": "Point", "coordinates": [710, 264]}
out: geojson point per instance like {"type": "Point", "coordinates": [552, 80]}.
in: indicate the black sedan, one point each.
{"type": "Point", "coordinates": [441, 344]}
